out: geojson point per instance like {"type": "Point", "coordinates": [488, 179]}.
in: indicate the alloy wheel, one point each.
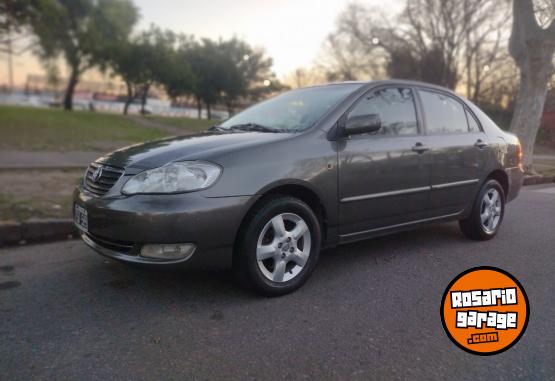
{"type": "Point", "coordinates": [491, 209]}
{"type": "Point", "coordinates": [283, 247]}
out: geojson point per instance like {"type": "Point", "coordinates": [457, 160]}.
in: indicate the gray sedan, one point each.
{"type": "Point", "coordinates": [310, 168]}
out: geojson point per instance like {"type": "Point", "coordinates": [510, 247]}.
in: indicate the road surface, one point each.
{"type": "Point", "coordinates": [370, 311]}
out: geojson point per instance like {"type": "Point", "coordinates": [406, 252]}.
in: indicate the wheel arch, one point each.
{"type": "Point", "coordinates": [297, 189]}
{"type": "Point", "coordinates": [502, 178]}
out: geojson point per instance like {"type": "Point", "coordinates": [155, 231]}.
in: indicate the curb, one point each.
{"type": "Point", "coordinates": [536, 180]}
{"type": "Point", "coordinates": [36, 230]}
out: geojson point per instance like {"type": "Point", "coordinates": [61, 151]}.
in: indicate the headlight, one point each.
{"type": "Point", "coordinates": [178, 177]}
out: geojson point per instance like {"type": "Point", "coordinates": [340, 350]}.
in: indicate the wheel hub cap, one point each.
{"type": "Point", "coordinates": [283, 247]}
{"type": "Point", "coordinates": [491, 210]}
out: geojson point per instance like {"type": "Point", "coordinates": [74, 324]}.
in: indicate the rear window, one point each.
{"type": "Point", "coordinates": [473, 125]}
{"type": "Point", "coordinates": [444, 114]}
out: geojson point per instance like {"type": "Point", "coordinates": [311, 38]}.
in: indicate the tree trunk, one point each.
{"type": "Point", "coordinates": [529, 109]}
{"type": "Point", "coordinates": [143, 99]}
{"type": "Point", "coordinates": [199, 108]}
{"type": "Point", "coordinates": [208, 111]}
{"type": "Point", "coordinates": [477, 84]}
{"type": "Point", "coordinates": [68, 97]}
{"type": "Point", "coordinates": [229, 108]}
{"type": "Point", "coordinates": [532, 48]}
{"type": "Point", "coordinates": [130, 98]}
{"type": "Point", "coordinates": [126, 106]}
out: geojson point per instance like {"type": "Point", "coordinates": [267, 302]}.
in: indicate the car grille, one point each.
{"type": "Point", "coordinates": [109, 176]}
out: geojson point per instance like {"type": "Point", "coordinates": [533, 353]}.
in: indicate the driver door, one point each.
{"type": "Point", "coordinates": [384, 177]}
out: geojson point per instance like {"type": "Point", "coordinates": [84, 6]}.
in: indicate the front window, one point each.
{"type": "Point", "coordinates": [395, 108]}
{"type": "Point", "coordinates": [294, 110]}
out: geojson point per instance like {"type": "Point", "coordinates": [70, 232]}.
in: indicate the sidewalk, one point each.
{"type": "Point", "coordinates": [545, 164]}
{"type": "Point", "coordinates": [46, 159]}
{"type": "Point", "coordinates": [544, 157]}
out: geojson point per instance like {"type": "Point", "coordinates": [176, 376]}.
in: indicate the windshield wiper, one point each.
{"type": "Point", "coordinates": [217, 128]}
{"type": "Point", "coordinates": [255, 127]}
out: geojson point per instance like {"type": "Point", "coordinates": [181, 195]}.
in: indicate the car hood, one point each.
{"type": "Point", "coordinates": [205, 146]}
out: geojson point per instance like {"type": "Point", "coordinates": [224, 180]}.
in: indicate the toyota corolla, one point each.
{"type": "Point", "coordinates": [310, 168]}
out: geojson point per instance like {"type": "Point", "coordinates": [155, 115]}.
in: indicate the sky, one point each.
{"type": "Point", "coordinates": [291, 31]}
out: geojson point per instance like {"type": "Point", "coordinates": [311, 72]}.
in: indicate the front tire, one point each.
{"type": "Point", "coordinates": [487, 213]}
{"type": "Point", "coordinates": [278, 248]}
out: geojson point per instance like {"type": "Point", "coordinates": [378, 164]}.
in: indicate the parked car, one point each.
{"type": "Point", "coordinates": [311, 168]}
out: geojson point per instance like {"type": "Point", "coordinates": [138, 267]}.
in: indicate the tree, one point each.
{"type": "Point", "coordinates": [177, 76]}
{"type": "Point", "coordinates": [249, 73]}
{"type": "Point", "coordinates": [157, 49]}
{"type": "Point", "coordinates": [351, 51]}
{"type": "Point", "coordinates": [485, 57]}
{"type": "Point", "coordinates": [438, 30]}
{"type": "Point", "coordinates": [208, 73]}
{"type": "Point", "coordinates": [84, 32]}
{"type": "Point", "coordinates": [227, 71]}
{"type": "Point", "coordinates": [427, 41]}
{"type": "Point", "coordinates": [129, 63]}
{"type": "Point", "coordinates": [302, 77]}
{"type": "Point", "coordinates": [143, 61]}
{"type": "Point", "coordinates": [532, 47]}
{"type": "Point", "coordinates": [14, 16]}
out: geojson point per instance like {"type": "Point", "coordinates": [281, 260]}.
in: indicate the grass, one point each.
{"type": "Point", "coordinates": [35, 129]}
{"type": "Point", "coordinates": [22, 209]}
{"type": "Point", "coordinates": [47, 193]}
{"type": "Point", "coordinates": [37, 193]}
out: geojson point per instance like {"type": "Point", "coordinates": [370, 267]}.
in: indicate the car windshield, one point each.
{"type": "Point", "coordinates": [292, 111]}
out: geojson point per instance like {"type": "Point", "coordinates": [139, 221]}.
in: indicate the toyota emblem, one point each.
{"type": "Point", "coordinates": [97, 174]}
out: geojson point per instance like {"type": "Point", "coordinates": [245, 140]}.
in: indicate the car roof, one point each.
{"type": "Point", "coordinates": [406, 82]}
{"type": "Point", "coordinates": [392, 81]}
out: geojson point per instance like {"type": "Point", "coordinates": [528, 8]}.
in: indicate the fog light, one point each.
{"type": "Point", "coordinates": [170, 251]}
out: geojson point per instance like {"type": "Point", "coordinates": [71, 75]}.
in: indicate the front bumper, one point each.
{"type": "Point", "coordinates": [105, 248]}
{"type": "Point", "coordinates": [119, 226]}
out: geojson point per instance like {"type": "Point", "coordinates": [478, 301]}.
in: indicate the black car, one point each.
{"type": "Point", "coordinates": [312, 167]}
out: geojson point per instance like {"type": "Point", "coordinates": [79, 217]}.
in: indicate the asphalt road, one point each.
{"type": "Point", "coordinates": [370, 311]}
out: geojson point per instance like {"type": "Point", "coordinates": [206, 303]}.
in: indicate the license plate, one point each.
{"type": "Point", "coordinates": [81, 218]}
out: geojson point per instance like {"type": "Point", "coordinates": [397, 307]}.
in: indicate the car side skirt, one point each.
{"type": "Point", "coordinates": [366, 234]}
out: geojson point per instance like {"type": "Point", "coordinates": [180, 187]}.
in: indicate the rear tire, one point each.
{"type": "Point", "coordinates": [487, 213]}
{"type": "Point", "coordinates": [278, 248]}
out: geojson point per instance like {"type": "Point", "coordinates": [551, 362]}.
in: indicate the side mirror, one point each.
{"type": "Point", "coordinates": [362, 124]}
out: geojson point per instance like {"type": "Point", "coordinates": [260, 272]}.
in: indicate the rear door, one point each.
{"type": "Point", "coordinates": [383, 176]}
{"type": "Point", "coordinates": [458, 155]}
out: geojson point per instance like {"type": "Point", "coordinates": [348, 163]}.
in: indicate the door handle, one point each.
{"type": "Point", "coordinates": [481, 144]}
{"type": "Point", "coordinates": [420, 148]}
